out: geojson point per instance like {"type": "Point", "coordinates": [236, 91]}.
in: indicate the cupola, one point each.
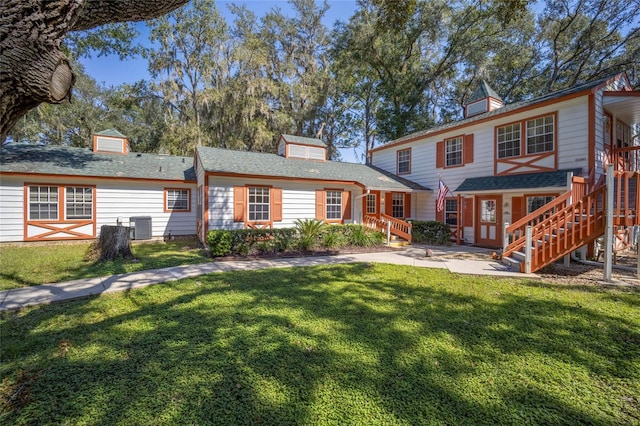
{"type": "Point", "coordinates": [483, 99]}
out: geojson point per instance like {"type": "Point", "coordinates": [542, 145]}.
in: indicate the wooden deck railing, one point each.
{"type": "Point", "coordinates": [397, 226]}
{"type": "Point", "coordinates": [572, 220]}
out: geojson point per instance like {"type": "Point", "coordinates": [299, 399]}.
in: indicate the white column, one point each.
{"type": "Point", "coordinates": [608, 231]}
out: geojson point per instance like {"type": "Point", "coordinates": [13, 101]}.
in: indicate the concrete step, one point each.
{"type": "Point", "coordinates": [513, 264]}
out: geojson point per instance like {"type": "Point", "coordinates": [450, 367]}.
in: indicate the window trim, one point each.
{"type": "Point", "coordinates": [497, 154]}
{"type": "Point", "coordinates": [375, 203]}
{"type": "Point", "coordinates": [446, 212]}
{"type": "Point", "coordinates": [400, 196]}
{"type": "Point", "coordinates": [326, 205]}
{"type": "Point", "coordinates": [174, 210]}
{"type": "Point", "coordinates": [91, 202]}
{"type": "Point", "coordinates": [451, 139]}
{"type": "Point", "coordinates": [523, 137]}
{"type": "Point", "coordinates": [248, 205]}
{"type": "Point", "coordinates": [408, 161]}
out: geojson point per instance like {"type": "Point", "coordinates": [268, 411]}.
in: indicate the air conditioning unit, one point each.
{"type": "Point", "coordinates": [141, 226]}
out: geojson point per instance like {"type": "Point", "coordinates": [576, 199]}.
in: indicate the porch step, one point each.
{"type": "Point", "coordinates": [513, 264]}
{"type": "Point", "coordinates": [399, 243]}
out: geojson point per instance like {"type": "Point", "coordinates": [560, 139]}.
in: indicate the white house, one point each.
{"type": "Point", "coordinates": [502, 162]}
{"type": "Point", "coordinates": [58, 193]}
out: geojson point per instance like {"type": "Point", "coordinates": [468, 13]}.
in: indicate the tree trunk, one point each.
{"type": "Point", "coordinates": [114, 242]}
{"type": "Point", "coordinates": [33, 68]}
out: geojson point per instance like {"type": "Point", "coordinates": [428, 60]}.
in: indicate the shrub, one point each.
{"type": "Point", "coordinates": [431, 232]}
{"type": "Point", "coordinates": [219, 242]}
{"type": "Point", "coordinates": [358, 235]}
{"type": "Point", "coordinates": [333, 237]}
{"type": "Point", "coordinates": [310, 228]}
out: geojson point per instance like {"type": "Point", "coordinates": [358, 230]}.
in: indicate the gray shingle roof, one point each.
{"type": "Point", "coordinates": [503, 110]}
{"type": "Point", "coordinates": [524, 181]}
{"type": "Point", "coordinates": [226, 161]}
{"type": "Point", "coordinates": [483, 91]}
{"type": "Point", "coordinates": [304, 141]}
{"type": "Point", "coordinates": [111, 132]}
{"type": "Point", "coordinates": [60, 160]}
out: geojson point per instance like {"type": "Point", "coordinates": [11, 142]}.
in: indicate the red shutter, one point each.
{"type": "Point", "coordinates": [407, 205]}
{"type": "Point", "coordinates": [320, 200]}
{"type": "Point", "coordinates": [439, 215]}
{"type": "Point", "coordinates": [239, 203]}
{"type": "Point", "coordinates": [388, 204]}
{"type": "Point", "coordinates": [346, 205]}
{"type": "Point", "coordinates": [467, 211]}
{"type": "Point", "coordinates": [276, 204]}
{"type": "Point", "coordinates": [440, 155]}
{"type": "Point", "coordinates": [517, 209]}
{"type": "Point", "coordinates": [467, 154]}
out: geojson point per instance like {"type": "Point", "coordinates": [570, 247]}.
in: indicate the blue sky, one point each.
{"type": "Point", "coordinates": [111, 71]}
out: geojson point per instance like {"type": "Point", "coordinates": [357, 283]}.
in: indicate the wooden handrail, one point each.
{"type": "Point", "coordinates": [560, 226]}
{"type": "Point", "coordinates": [399, 227]}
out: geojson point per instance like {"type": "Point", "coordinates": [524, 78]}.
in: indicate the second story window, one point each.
{"type": "Point", "coordinates": [540, 133]}
{"type": "Point", "coordinates": [509, 141]}
{"type": "Point", "coordinates": [453, 152]}
{"type": "Point", "coordinates": [404, 161]}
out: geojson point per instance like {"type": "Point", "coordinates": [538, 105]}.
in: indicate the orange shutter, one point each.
{"type": "Point", "coordinates": [517, 209]}
{"type": "Point", "coordinates": [467, 155]}
{"type": "Point", "coordinates": [440, 155]}
{"type": "Point", "coordinates": [346, 205]}
{"type": "Point", "coordinates": [276, 204]}
{"type": "Point", "coordinates": [388, 204]}
{"type": "Point", "coordinates": [320, 200]}
{"type": "Point", "coordinates": [467, 211]}
{"type": "Point", "coordinates": [407, 205]}
{"type": "Point", "coordinates": [239, 203]}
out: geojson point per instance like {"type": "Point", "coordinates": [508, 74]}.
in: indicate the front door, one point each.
{"type": "Point", "coordinates": [488, 233]}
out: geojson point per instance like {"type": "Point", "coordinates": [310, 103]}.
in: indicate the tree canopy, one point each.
{"type": "Point", "coordinates": [390, 69]}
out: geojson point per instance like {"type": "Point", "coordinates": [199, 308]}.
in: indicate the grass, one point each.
{"type": "Point", "coordinates": [347, 344]}
{"type": "Point", "coordinates": [22, 266]}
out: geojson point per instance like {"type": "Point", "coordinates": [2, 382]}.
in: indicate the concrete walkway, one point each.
{"type": "Point", "coordinates": [412, 256]}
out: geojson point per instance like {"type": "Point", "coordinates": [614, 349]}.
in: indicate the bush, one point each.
{"type": "Point", "coordinates": [333, 237]}
{"type": "Point", "coordinates": [219, 242]}
{"type": "Point", "coordinates": [431, 232]}
{"type": "Point", "coordinates": [245, 242]}
{"type": "Point", "coordinates": [358, 235]}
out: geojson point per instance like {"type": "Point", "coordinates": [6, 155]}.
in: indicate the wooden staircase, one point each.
{"type": "Point", "coordinates": [569, 222]}
{"type": "Point", "coordinates": [398, 231]}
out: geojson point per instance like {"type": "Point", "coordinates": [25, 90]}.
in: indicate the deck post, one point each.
{"type": "Point", "coordinates": [608, 233]}
{"type": "Point", "coordinates": [388, 232]}
{"type": "Point", "coordinates": [527, 250]}
{"type": "Point", "coordinates": [505, 237]}
{"type": "Point", "coordinates": [567, 257]}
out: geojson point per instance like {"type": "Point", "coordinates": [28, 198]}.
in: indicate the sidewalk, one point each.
{"type": "Point", "coordinates": [411, 256]}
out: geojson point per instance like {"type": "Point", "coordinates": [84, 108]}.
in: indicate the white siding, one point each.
{"type": "Point", "coordinates": [114, 199]}
{"type": "Point", "coordinates": [11, 207]}
{"type": "Point", "coordinates": [127, 199]}
{"type": "Point", "coordinates": [298, 200]}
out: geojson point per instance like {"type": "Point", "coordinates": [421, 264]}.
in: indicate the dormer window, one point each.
{"type": "Point", "coordinates": [302, 148]}
{"type": "Point", "coordinates": [110, 141]}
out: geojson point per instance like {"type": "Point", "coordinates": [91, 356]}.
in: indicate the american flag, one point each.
{"type": "Point", "coordinates": [443, 190]}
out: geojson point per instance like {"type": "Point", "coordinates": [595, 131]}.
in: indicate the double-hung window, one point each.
{"type": "Point", "coordinates": [334, 205]}
{"type": "Point", "coordinates": [259, 203]}
{"type": "Point", "coordinates": [43, 202]}
{"type": "Point", "coordinates": [78, 202]}
{"type": "Point", "coordinates": [371, 204]}
{"type": "Point", "coordinates": [404, 161]}
{"type": "Point", "coordinates": [453, 152]}
{"type": "Point", "coordinates": [451, 211]}
{"type": "Point", "coordinates": [509, 141]}
{"type": "Point", "coordinates": [540, 132]}
{"type": "Point", "coordinates": [397, 205]}
{"type": "Point", "coordinates": [178, 200]}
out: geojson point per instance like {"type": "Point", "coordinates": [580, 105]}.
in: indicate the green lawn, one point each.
{"type": "Point", "coordinates": [349, 344]}
{"type": "Point", "coordinates": [22, 266]}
